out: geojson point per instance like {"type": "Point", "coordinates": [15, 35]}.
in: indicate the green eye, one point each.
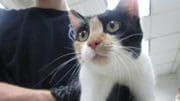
{"type": "Point", "coordinates": [82, 36]}
{"type": "Point", "coordinates": [113, 26]}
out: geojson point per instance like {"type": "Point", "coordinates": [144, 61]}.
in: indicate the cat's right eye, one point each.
{"type": "Point", "coordinates": [82, 36]}
{"type": "Point", "coordinates": [113, 26]}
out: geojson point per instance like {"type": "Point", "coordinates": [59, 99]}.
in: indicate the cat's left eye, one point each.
{"type": "Point", "coordinates": [82, 36]}
{"type": "Point", "coordinates": [113, 26]}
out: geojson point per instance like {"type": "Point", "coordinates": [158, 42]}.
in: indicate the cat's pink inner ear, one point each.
{"type": "Point", "coordinates": [74, 21]}
{"type": "Point", "coordinates": [131, 6]}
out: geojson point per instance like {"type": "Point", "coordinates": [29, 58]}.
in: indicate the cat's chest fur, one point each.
{"type": "Point", "coordinates": [98, 82]}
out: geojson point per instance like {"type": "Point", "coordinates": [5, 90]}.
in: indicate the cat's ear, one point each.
{"type": "Point", "coordinates": [129, 6]}
{"type": "Point", "coordinates": [76, 19]}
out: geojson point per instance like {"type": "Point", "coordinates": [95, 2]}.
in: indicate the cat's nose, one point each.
{"type": "Point", "coordinates": [93, 44]}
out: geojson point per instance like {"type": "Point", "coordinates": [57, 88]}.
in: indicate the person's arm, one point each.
{"type": "Point", "coordinates": [14, 93]}
{"type": "Point", "coordinates": [52, 4]}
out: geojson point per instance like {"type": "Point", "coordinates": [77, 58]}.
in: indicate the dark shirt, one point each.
{"type": "Point", "coordinates": [31, 41]}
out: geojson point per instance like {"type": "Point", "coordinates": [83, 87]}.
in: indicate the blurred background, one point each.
{"type": "Point", "coordinates": [161, 25]}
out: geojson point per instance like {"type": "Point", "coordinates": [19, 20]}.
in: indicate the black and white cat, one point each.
{"type": "Point", "coordinates": [108, 47]}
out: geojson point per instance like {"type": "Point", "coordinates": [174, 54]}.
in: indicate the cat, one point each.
{"type": "Point", "coordinates": [108, 47]}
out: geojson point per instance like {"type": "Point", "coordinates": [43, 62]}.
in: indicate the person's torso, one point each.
{"type": "Point", "coordinates": [30, 39]}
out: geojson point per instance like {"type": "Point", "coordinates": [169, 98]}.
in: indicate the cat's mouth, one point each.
{"type": "Point", "coordinates": [100, 58]}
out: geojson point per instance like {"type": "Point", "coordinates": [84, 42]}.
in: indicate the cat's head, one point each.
{"type": "Point", "coordinates": [100, 39]}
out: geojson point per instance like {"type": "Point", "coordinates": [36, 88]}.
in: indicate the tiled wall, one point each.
{"type": "Point", "coordinates": [162, 28]}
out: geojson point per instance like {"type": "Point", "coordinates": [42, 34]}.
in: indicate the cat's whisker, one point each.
{"type": "Point", "coordinates": [114, 69]}
{"type": "Point", "coordinates": [120, 35]}
{"type": "Point", "coordinates": [125, 67]}
{"type": "Point", "coordinates": [134, 64]}
{"type": "Point", "coordinates": [128, 71]}
{"type": "Point", "coordinates": [129, 49]}
{"type": "Point", "coordinates": [134, 53]}
{"type": "Point", "coordinates": [133, 35]}
{"type": "Point", "coordinates": [70, 48]}
{"type": "Point", "coordinates": [128, 61]}
{"type": "Point", "coordinates": [64, 64]}
{"type": "Point", "coordinates": [66, 73]}
{"type": "Point", "coordinates": [115, 63]}
{"type": "Point", "coordinates": [75, 72]}
{"type": "Point", "coordinates": [55, 70]}
{"type": "Point", "coordinates": [74, 67]}
{"type": "Point", "coordinates": [126, 55]}
{"type": "Point", "coordinates": [56, 59]}
{"type": "Point", "coordinates": [107, 45]}
{"type": "Point", "coordinates": [61, 67]}
{"type": "Point", "coordinates": [70, 60]}
{"type": "Point", "coordinates": [135, 68]}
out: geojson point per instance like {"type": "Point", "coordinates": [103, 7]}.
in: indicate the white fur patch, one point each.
{"type": "Point", "coordinates": [137, 74]}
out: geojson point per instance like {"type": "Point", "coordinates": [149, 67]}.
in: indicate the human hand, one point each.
{"type": "Point", "coordinates": [14, 93]}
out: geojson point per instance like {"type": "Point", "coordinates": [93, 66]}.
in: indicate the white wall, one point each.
{"type": "Point", "coordinates": [162, 28]}
{"type": "Point", "coordinates": [178, 74]}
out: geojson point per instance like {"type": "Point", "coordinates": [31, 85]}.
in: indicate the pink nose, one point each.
{"type": "Point", "coordinates": [94, 44]}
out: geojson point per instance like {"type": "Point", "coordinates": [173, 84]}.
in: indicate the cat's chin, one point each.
{"type": "Point", "coordinates": [97, 59]}
{"type": "Point", "coordinates": [93, 56]}
{"type": "Point", "coordinates": [100, 59]}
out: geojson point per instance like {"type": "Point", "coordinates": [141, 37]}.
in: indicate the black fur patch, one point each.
{"type": "Point", "coordinates": [130, 31]}
{"type": "Point", "coordinates": [120, 93]}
